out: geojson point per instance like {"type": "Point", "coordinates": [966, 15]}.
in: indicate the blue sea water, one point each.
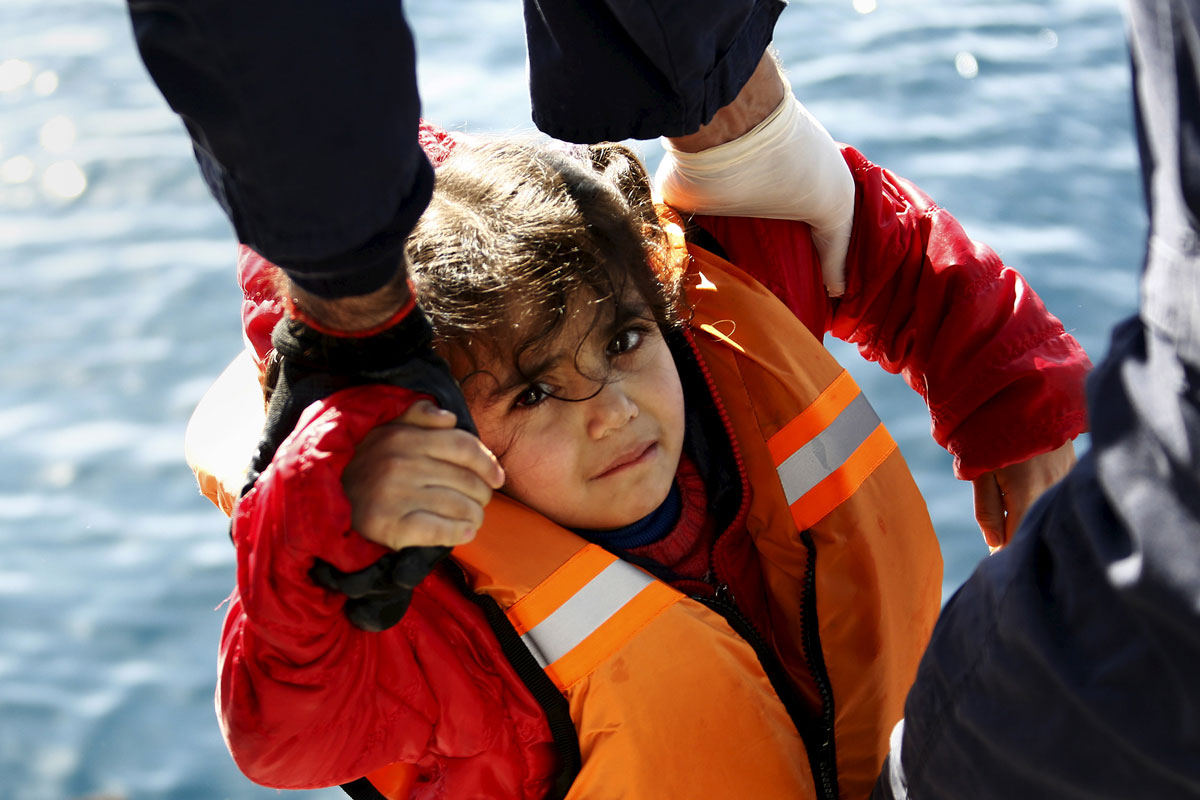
{"type": "Point", "coordinates": [118, 307]}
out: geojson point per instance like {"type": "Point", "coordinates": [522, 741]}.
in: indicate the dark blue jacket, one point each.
{"type": "Point", "coordinates": [1068, 665]}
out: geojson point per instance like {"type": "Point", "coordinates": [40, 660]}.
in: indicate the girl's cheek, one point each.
{"type": "Point", "coordinates": [495, 437]}
{"type": "Point", "coordinates": [541, 447]}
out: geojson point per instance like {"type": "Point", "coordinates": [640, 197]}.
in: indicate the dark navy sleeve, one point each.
{"type": "Point", "coordinates": [1067, 665]}
{"type": "Point", "coordinates": [607, 70]}
{"type": "Point", "coordinates": [303, 117]}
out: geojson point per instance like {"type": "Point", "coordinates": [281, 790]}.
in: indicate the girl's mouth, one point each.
{"type": "Point", "coordinates": [641, 454]}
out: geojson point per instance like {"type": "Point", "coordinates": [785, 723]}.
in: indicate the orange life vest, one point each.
{"type": "Point", "coordinates": [666, 698]}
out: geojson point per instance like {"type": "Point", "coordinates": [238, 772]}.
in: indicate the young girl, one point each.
{"type": "Point", "coordinates": [708, 571]}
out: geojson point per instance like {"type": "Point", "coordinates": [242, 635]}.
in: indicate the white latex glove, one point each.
{"type": "Point", "coordinates": [786, 167]}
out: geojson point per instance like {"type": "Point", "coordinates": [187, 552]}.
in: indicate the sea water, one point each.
{"type": "Point", "coordinates": [118, 307]}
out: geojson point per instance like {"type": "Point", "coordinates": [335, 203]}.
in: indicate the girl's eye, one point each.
{"type": "Point", "coordinates": [626, 340]}
{"type": "Point", "coordinates": [532, 395]}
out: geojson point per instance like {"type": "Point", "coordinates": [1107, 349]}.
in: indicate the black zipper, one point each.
{"type": "Point", "coordinates": [817, 735]}
{"type": "Point", "coordinates": [824, 762]}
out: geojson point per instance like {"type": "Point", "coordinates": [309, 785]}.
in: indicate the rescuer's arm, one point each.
{"type": "Point", "coordinates": [318, 169]}
{"type": "Point", "coordinates": [1065, 665]}
{"type": "Point", "coordinates": [322, 172]}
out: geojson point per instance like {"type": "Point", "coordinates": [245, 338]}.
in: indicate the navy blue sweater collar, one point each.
{"type": "Point", "coordinates": [647, 530]}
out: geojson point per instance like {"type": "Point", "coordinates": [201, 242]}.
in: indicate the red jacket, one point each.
{"type": "Point", "coordinates": [307, 700]}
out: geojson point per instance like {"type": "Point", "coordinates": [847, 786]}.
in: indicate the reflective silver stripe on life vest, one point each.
{"type": "Point", "coordinates": [585, 611]}
{"type": "Point", "coordinates": [828, 450]}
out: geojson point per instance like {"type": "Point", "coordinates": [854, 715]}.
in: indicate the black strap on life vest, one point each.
{"type": "Point", "coordinates": [362, 789]}
{"type": "Point", "coordinates": [547, 695]}
{"type": "Point", "coordinates": [554, 705]}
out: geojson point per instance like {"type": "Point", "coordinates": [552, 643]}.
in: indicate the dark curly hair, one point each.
{"type": "Point", "coordinates": [520, 235]}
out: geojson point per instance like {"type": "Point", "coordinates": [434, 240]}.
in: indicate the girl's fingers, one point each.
{"type": "Point", "coordinates": [401, 440]}
{"type": "Point", "coordinates": [424, 528]}
{"type": "Point", "coordinates": [459, 479]}
{"type": "Point", "coordinates": [435, 516]}
{"type": "Point", "coordinates": [1021, 484]}
{"type": "Point", "coordinates": [427, 516]}
{"type": "Point", "coordinates": [382, 499]}
{"type": "Point", "coordinates": [465, 450]}
{"type": "Point", "coordinates": [409, 478]}
{"type": "Point", "coordinates": [989, 510]}
{"type": "Point", "coordinates": [451, 505]}
{"type": "Point", "coordinates": [1015, 506]}
{"type": "Point", "coordinates": [418, 480]}
{"type": "Point", "coordinates": [425, 414]}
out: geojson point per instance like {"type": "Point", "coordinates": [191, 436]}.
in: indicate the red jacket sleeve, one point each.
{"type": "Point", "coordinates": [305, 698]}
{"type": "Point", "coordinates": [1002, 378]}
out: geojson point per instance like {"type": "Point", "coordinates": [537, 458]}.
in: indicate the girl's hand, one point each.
{"type": "Point", "coordinates": [1003, 496]}
{"type": "Point", "coordinates": [418, 480]}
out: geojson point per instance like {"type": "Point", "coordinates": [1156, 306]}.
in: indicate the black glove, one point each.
{"type": "Point", "coordinates": [314, 365]}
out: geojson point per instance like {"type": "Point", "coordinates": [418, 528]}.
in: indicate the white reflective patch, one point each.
{"type": "Point", "coordinates": [828, 450]}
{"type": "Point", "coordinates": [586, 610]}
{"type": "Point", "coordinates": [532, 646]}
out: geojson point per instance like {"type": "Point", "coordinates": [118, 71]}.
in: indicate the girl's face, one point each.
{"type": "Point", "coordinates": [601, 462]}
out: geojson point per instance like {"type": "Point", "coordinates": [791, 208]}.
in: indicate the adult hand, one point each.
{"type": "Point", "coordinates": [765, 155]}
{"type": "Point", "coordinates": [420, 481]}
{"type": "Point", "coordinates": [1004, 495]}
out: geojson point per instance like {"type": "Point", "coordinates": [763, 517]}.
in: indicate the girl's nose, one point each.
{"type": "Point", "coordinates": [609, 411]}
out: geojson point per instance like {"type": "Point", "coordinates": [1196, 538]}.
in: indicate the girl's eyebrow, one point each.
{"type": "Point", "coordinates": [625, 312]}
{"type": "Point", "coordinates": [522, 378]}
{"type": "Point", "coordinates": [622, 314]}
